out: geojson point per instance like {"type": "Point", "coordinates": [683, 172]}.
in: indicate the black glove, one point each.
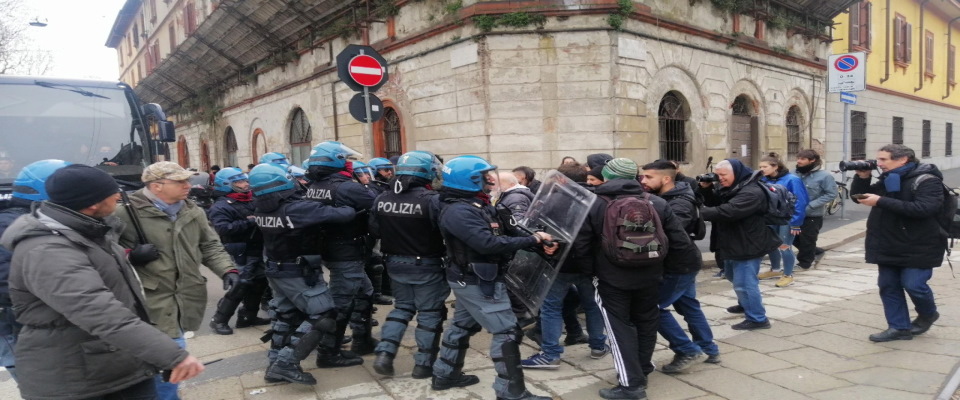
{"type": "Point", "coordinates": [230, 279]}
{"type": "Point", "coordinates": [143, 254]}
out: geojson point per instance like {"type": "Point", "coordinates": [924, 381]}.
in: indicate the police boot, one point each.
{"type": "Point", "coordinates": [384, 363]}
{"type": "Point", "coordinates": [516, 387]}
{"type": "Point", "coordinates": [331, 358]}
{"type": "Point", "coordinates": [247, 318]}
{"type": "Point", "coordinates": [283, 371]}
{"type": "Point", "coordinates": [364, 344]}
{"type": "Point", "coordinates": [456, 380]}
{"type": "Point", "coordinates": [225, 309]}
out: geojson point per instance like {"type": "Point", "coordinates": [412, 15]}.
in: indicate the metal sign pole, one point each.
{"type": "Point", "coordinates": [368, 126]}
{"type": "Point", "coordinates": [846, 154]}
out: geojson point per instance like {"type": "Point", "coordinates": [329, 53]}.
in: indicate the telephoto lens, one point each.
{"type": "Point", "coordinates": [861, 165]}
{"type": "Point", "coordinates": [709, 177]}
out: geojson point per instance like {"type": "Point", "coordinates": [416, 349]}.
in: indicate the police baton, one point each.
{"type": "Point", "coordinates": [133, 217]}
{"type": "Point", "coordinates": [166, 373]}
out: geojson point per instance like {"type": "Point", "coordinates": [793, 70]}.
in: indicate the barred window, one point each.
{"type": "Point", "coordinates": [391, 133]}
{"type": "Point", "coordinates": [793, 132]}
{"type": "Point", "coordinates": [858, 135]}
{"type": "Point", "coordinates": [897, 130]}
{"type": "Point", "coordinates": [300, 137]}
{"type": "Point", "coordinates": [230, 148]}
{"type": "Point", "coordinates": [925, 152]}
{"type": "Point", "coordinates": [948, 151]}
{"type": "Point", "coordinates": [673, 127]}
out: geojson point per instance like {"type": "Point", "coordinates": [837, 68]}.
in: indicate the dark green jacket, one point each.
{"type": "Point", "coordinates": [173, 284]}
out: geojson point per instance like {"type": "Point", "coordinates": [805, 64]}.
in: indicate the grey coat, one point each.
{"type": "Point", "coordinates": [821, 190]}
{"type": "Point", "coordinates": [86, 331]}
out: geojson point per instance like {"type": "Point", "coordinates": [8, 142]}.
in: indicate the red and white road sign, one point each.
{"type": "Point", "coordinates": [365, 70]}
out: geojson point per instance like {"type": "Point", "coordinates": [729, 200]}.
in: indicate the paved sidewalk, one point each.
{"type": "Point", "coordinates": [817, 349]}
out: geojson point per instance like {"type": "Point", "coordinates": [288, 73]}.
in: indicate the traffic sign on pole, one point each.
{"type": "Point", "coordinates": [848, 98]}
{"type": "Point", "coordinates": [358, 108]}
{"type": "Point", "coordinates": [352, 53]}
{"type": "Point", "coordinates": [847, 72]}
{"type": "Point", "coordinates": [365, 70]}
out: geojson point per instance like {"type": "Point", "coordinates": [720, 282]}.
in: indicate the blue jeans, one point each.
{"type": "Point", "coordinates": [789, 259]}
{"type": "Point", "coordinates": [680, 291]}
{"type": "Point", "coordinates": [8, 326]}
{"type": "Point", "coordinates": [551, 313]}
{"type": "Point", "coordinates": [167, 390]}
{"type": "Point", "coordinates": [893, 281]}
{"type": "Point", "coordinates": [743, 275]}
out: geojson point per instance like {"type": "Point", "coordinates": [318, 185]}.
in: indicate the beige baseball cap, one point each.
{"type": "Point", "coordinates": [165, 170]}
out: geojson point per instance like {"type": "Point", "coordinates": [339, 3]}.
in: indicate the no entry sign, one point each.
{"type": "Point", "coordinates": [365, 70]}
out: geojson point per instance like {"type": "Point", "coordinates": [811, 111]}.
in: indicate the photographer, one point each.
{"type": "Point", "coordinates": [904, 237]}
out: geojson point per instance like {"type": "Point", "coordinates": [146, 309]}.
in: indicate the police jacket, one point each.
{"type": "Point", "coordinates": [475, 234]}
{"type": "Point", "coordinates": [737, 216]}
{"type": "Point", "coordinates": [683, 202]}
{"type": "Point", "coordinates": [902, 229]}
{"type": "Point", "coordinates": [343, 241]}
{"type": "Point", "coordinates": [587, 246]}
{"type": "Point", "coordinates": [238, 233]}
{"type": "Point", "coordinates": [86, 331]}
{"type": "Point", "coordinates": [291, 226]}
{"type": "Point", "coordinates": [408, 223]}
{"type": "Point", "coordinates": [9, 211]}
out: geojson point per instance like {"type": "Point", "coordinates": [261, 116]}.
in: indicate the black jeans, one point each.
{"type": "Point", "coordinates": [145, 390]}
{"type": "Point", "coordinates": [632, 318]}
{"type": "Point", "coordinates": [806, 241]}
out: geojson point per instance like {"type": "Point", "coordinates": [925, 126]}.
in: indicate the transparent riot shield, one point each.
{"type": "Point", "coordinates": [559, 208]}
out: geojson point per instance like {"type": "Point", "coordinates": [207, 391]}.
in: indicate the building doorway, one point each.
{"type": "Point", "coordinates": [744, 131]}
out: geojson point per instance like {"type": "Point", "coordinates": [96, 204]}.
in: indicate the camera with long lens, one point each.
{"type": "Point", "coordinates": [709, 177]}
{"type": "Point", "coordinates": [862, 165]}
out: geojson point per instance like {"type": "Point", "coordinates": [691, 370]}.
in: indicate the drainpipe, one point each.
{"type": "Point", "coordinates": [949, 43]}
{"type": "Point", "coordinates": [886, 65]}
{"type": "Point", "coordinates": [333, 101]}
{"type": "Point", "coordinates": [923, 39]}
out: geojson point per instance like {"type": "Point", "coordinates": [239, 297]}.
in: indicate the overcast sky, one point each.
{"type": "Point", "coordinates": [75, 35]}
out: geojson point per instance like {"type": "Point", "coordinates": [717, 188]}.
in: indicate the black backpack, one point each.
{"type": "Point", "coordinates": [781, 203]}
{"type": "Point", "coordinates": [948, 218]}
{"type": "Point", "coordinates": [697, 229]}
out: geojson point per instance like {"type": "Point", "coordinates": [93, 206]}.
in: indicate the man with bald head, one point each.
{"type": "Point", "coordinates": [513, 195]}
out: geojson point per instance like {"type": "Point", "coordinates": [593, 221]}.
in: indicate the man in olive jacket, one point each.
{"type": "Point", "coordinates": [183, 239]}
{"type": "Point", "coordinates": [86, 331]}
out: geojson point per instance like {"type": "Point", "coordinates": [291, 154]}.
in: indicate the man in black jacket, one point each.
{"type": "Point", "coordinates": [628, 296]}
{"type": "Point", "coordinates": [736, 209]}
{"type": "Point", "coordinates": [679, 286]}
{"type": "Point", "coordinates": [904, 237]}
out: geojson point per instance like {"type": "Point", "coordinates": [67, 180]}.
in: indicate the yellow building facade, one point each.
{"type": "Point", "coordinates": [911, 79]}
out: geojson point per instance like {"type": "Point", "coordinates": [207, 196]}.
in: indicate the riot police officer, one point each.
{"type": "Point", "coordinates": [232, 217]}
{"type": "Point", "coordinates": [407, 221]}
{"type": "Point", "coordinates": [275, 158]}
{"type": "Point", "coordinates": [28, 187]}
{"type": "Point", "coordinates": [479, 245]}
{"type": "Point", "coordinates": [303, 311]}
{"type": "Point", "coordinates": [383, 172]}
{"type": "Point", "coordinates": [344, 247]}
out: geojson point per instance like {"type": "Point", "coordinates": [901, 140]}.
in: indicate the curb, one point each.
{"type": "Point", "coordinates": [951, 386]}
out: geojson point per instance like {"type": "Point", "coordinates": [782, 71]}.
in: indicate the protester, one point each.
{"type": "Point", "coordinates": [821, 190]}
{"type": "Point", "coordinates": [86, 332]}
{"type": "Point", "coordinates": [180, 239]}
{"type": "Point", "coordinates": [595, 176]}
{"type": "Point", "coordinates": [904, 237]}
{"type": "Point", "coordinates": [776, 172]}
{"type": "Point", "coordinates": [569, 161]}
{"type": "Point", "coordinates": [513, 195]}
{"type": "Point", "coordinates": [526, 176]}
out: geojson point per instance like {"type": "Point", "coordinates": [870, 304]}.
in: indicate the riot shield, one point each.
{"type": "Point", "coordinates": [559, 208]}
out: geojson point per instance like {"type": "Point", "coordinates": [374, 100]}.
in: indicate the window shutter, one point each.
{"type": "Point", "coordinates": [897, 43]}
{"type": "Point", "coordinates": [929, 54]}
{"type": "Point", "coordinates": [866, 24]}
{"type": "Point", "coordinates": [908, 36]}
{"type": "Point", "coordinates": [854, 25]}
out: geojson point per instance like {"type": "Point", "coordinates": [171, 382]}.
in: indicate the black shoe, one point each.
{"type": "Point", "coordinates": [748, 325]}
{"type": "Point", "coordinates": [534, 335]}
{"type": "Point", "coordinates": [374, 322]}
{"type": "Point", "coordinates": [281, 371]}
{"type": "Point", "coordinates": [713, 359]}
{"type": "Point", "coordinates": [244, 322]}
{"type": "Point", "coordinates": [737, 309]}
{"type": "Point", "coordinates": [455, 381]}
{"type": "Point", "coordinates": [527, 396]}
{"type": "Point", "coordinates": [683, 361]}
{"type": "Point", "coordinates": [576, 339]}
{"type": "Point", "coordinates": [383, 364]}
{"type": "Point", "coordinates": [891, 334]}
{"type": "Point", "coordinates": [338, 360]}
{"type": "Point", "coordinates": [922, 323]}
{"type": "Point", "coordinates": [818, 256]}
{"type": "Point", "coordinates": [804, 266]}
{"type": "Point", "coordinates": [346, 340]}
{"type": "Point", "coordinates": [363, 346]}
{"type": "Point", "coordinates": [421, 372]}
{"type": "Point", "coordinates": [221, 328]}
{"type": "Point", "coordinates": [623, 392]}
{"type": "Point", "coordinates": [382, 300]}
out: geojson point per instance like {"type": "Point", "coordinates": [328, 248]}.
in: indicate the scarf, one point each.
{"type": "Point", "coordinates": [892, 180]}
{"type": "Point", "coordinates": [243, 197]}
{"type": "Point", "coordinates": [807, 169]}
{"type": "Point", "coordinates": [170, 209]}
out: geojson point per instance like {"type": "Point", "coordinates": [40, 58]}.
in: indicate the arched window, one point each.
{"type": "Point", "coordinates": [300, 137]}
{"type": "Point", "coordinates": [673, 127]}
{"type": "Point", "coordinates": [392, 143]}
{"type": "Point", "coordinates": [204, 156]}
{"type": "Point", "coordinates": [259, 147]}
{"type": "Point", "coordinates": [230, 148]}
{"type": "Point", "coordinates": [793, 132]}
{"type": "Point", "coordinates": [183, 153]}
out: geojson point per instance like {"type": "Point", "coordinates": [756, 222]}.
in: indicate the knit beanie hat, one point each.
{"type": "Point", "coordinates": [596, 172]}
{"type": "Point", "coordinates": [620, 168]}
{"type": "Point", "coordinates": [598, 160]}
{"type": "Point", "coordinates": [79, 186]}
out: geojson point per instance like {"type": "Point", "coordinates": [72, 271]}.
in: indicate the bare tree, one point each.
{"type": "Point", "coordinates": [18, 53]}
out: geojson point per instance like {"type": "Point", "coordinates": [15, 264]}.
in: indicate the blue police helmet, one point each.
{"type": "Point", "coordinates": [269, 178]}
{"type": "Point", "coordinates": [361, 168]}
{"type": "Point", "coordinates": [224, 180]}
{"type": "Point", "coordinates": [296, 171]}
{"type": "Point", "coordinates": [466, 173]}
{"type": "Point", "coordinates": [330, 154]}
{"type": "Point", "coordinates": [422, 164]}
{"type": "Point", "coordinates": [380, 163]}
{"type": "Point", "coordinates": [29, 184]}
{"type": "Point", "coordinates": [275, 158]}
